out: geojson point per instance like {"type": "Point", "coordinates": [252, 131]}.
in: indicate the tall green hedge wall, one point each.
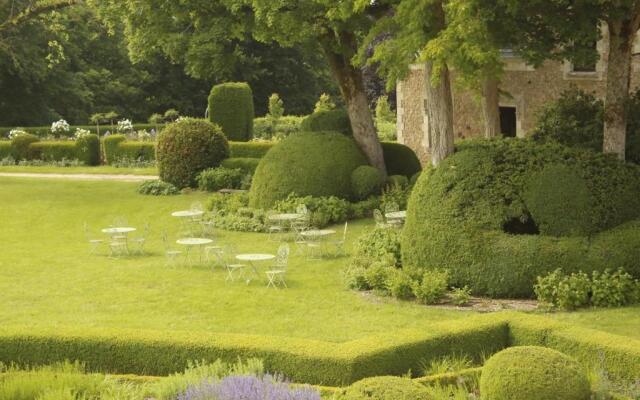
{"type": "Point", "coordinates": [231, 107]}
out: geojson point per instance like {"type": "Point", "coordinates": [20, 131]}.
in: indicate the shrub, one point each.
{"type": "Point", "coordinates": [529, 372]}
{"type": "Point", "coordinates": [385, 388]}
{"type": "Point", "coordinates": [395, 194]}
{"type": "Point", "coordinates": [143, 151]}
{"type": "Point", "coordinates": [328, 121]}
{"type": "Point", "coordinates": [468, 217]}
{"type": "Point", "coordinates": [53, 151]}
{"type": "Point", "coordinates": [187, 147]}
{"type": "Point", "coordinates": [248, 387]}
{"type": "Point", "coordinates": [432, 288]}
{"type": "Point", "coordinates": [308, 164]}
{"type": "Point", "coordinates": [157, 188]}
{"type": "Point", "coordinates": [414, 178]}
{"type": "Point", "coordinates": [401, 285]}
{"type": "Point", "coordinates": [5, 149]}
{"type": "Point", "coordinates": [249, 149]}
{"type": "Point", "coordinates": [400, 159]}
{"type": "Point", "coordinates": [387, 131]}
{"type": "Point", "coordinates": [559, 201]}
{"type": "Point", "coordinates": [324, 103]}
{"type": "Point", "coordinates": [355, 278]}
{"type": "Point", "coordinates": [110, 145]}
{"type": "Point", "coordinates": [567, 292]}
{"type": "Point", "coordinates": [287, 125]}
{"type": "Point", "coordinates": [461, 296]}
{"type": "Point", "coordinates": [379, 243]}
{"type": "Point", "coordinates": [21, 146]}
{"type": "Point", "coordinates": [246, 165]}
{"type": "Point", "coordinates": [615, 289]}
{"type": "Point", "coordinates": [397, 180]}
{"type": "Point", "coordinates": [88, 149]}
{"type": "Point", "coordinates": [364, 208]}
{"type": "Point", "coordinates": [324, 210]}
{"type": "Point", "coordinates": [231, 108]}
{"type": "Point", "coordinates": [365, 181]}
{"type": "Point", "coordinates": [214, 179]}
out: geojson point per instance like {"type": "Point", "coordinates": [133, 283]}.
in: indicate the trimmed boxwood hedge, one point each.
{"type": "Point", "coordinates": [459, 215]}
{"type": "Point", "coordinates": [249, 149]}
{"type": "Point", "coordinates": [385, 388]}
{"type": "Point", "coordinates": [247, 165]}
{"type": "Point", "coordinates": [308, 164]}
{"type": "Point", "coordinates": [116, 147]}
{"type": "Point", "coordinates": [5, 149]}
{"type": "Point", "coordinates": [400, 159]}
{"type": "Point", "coordinates": [231, 108]}
{"type": "Point", "coordinates": [330, 120]}
{"type": "Point", "coordinates": [53, 151]}
{"type": "Point", "coordinates": [110, 147]}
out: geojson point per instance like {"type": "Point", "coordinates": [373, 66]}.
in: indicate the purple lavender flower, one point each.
{"type": "Point", "coordinates": [249, 387]}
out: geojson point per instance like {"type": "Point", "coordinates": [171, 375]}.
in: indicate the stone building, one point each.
{"type": "Point", "coordinates": [526, 90]}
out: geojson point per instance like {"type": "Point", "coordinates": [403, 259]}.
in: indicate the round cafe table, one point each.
{"type": "Point", "coordinates": [396, 215]}
{"type": "Point", "coordinates": [193, 242]}
{"type": "Point", "coordinates": [117, 234]}
{"type": "Point", "coordinates": [187, 214]}
{"type": "Point", "coordinates": [251, 259]}
{"type": "Point", "coordinates": [124, 230]}
{"type": "Point", "coordinates": [316, 237]}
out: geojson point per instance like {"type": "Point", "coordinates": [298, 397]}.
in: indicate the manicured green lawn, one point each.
{"type": "Point", "coordinates": [48, 278]}
{"type": "Point", "coordinates": [103, 169]}
{"type": "Point", "coordinates": [621, 321]}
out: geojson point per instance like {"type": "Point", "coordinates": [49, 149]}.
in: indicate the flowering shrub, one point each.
{"type": "Point", "coordinates": [60, 127]}
{"type": "Point", "coordinates": [81, 133]}
{"type": "Point", "coordinates": [249, 387]}
{"type": "Point", "coordinates": [16, 132]}
{"type": "Point", "coordinates": [125, 125]}
{"type": "Point", "coordinates": [144, 136]}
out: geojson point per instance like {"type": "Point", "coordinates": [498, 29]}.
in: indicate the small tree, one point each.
{"type": "Point", "coordinates": [383, 110]}
{"type": "Point", "coordinates": [324, 103]}
{"type": "Point", "coordinates": [97, 119]}
{"type": "Point", "coordinates": [276, 111]}
{"type": "Point", "coordinates": [171, 115]}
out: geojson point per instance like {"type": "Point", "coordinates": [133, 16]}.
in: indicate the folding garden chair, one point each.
{"type": "Point", "coordinates": [93, 242]}
{"type": "Point", "coordinates": [227, 258]}
{"type": "Point", "coordinates": [276, 275]}
{"type": "Point", "coordinates": [171, 254]}
{"type": "Point", "coordinates": [140, 241]}
{"type": "Point", "coordinates": [339, 244]}
{"type": "Point", "coordinates": [274, 228]}
{"type": "Point", "coordinates": [208, 224]}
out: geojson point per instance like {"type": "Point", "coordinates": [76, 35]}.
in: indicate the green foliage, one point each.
{"type": "Point", "coordinates": [110, 145]}
{"type": "Point", "coordinates": [246, 165]}
{"type": "Point", "coordinates": [397, 181]}
{"type": "Point", "coordinates": [328, 121]}
{"type": "Point", "coordinates": [387, 131]}
{"type": "Point", "coordinates": [530, 372]}
{"type": "Point", "coordinates": [308, 164]}
{"type": "Point", "coordinates": [214, 179]}
{"type": "Point", "coordinates": [88, 149]}
{"type": "Point", "coordinates": [395, 194]}
{"type": "Point", "coordinates": [576, 119]}
{"type": "Point", "coordinates": [615, 289]}
{"type": "Point", "coordinates": [366, 181]}
{"type": "Point", "coordinates": [401, 285]}
{"type": "Point", "coordinates": [53, 151]}
{"type": "Point", "coordinates": [324, 103]}
{"type": "Point", "coordinates": [249, 149]}
{"type": "Point", "coordinates": [432, 288]}
{"type": "Point", "coordinates": [378, 275]}
{"type": "Point", "coordinates": [462, 217]}
{"type": "Point", "coordinates": [324, 210]}
{"type": "Point", "coordinates": [187, 147]}
{"type": "Point", "coordinates": [5, 149]}
{"type": "Point", "coordinates": [385, 388]}
{"type": "Point", "coordinates": [287, 125]}
{"type": "Point", "coordinates": [559, 201]}
{"type": "Point", "coordinates": [231, 107]}
{"type": "Point", "coordinates": [117, 148]}
{"type": "Point", "coordinates": [276, 111]}
{"type": "Point", "coordinates": [447, 364]}
{"type": "Point", "coordinates": [461, 296]}
{"type": "Point", "coordinates": [157, 188]}
{"type": "Point", "coordinates": [400, 159]}
{"type": "Point", "coordinates": [379, 243]}
{"type": "Point", "coordinates": [45, 131]}
{"type": "Point", "coordinates": [383, 110]}
{"type": "Point", "coordinates": [21, 146]}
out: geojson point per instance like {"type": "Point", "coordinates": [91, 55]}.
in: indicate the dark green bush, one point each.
{"type": "Point", "coordinates": [5, 149]}
{"type": "Point", "coordinates": [287, 125]}
{"type": "Point", "coordinates": [397, 180]}
{"type": "Point", "coordinates": [231, 108]}
{"type": "Point", "coordinates": [88, 149]}
{"type": "Point", "coordinates": [400, 159]}
{"type": "Point", "coordinates": [378, 243]}
{"type": "Point", "coordinates": [247, 165]}
{"type": "Point", "coordinates": [385, 388]}
{"type": "Point", "coordinates": [614, 289]}
{"type": "Point", "coordinates": [214, 179]}
{"type": "Point", "coordinates": [315, 164]}
{"type": "Point", "coordinates": [157, 188]}
{"type": "Point", "coordinates": [576, 120]}
{"type": "Point", "coordinates": [249, 149]}
{"type": "Point", "coordinates": [53, 151]}
{"type": "Point", "coordinates": [324, 210]}
{"type": "Point", "coordinates": [187, 147]}
{"type": "Point", "coordinates": [110, 145]}
{"type": "Point", "coordinates": [365, 181]}
{"type": "Point", "coordinates": [21, 147]}
{"type": "Point", "coordinates": [432, 287]}
{"type": "Point", "coordinates": [559, 201]}
{"type": "Point", "coordinates": [401, 285]}
{"type": "Point", "coordinates": [414, 178]}
{"type": "Point", "coordinates": [328, 121]}
{"type": "Point", "coordinates": [533, 373]}
{"type": "Point", "coordinates": [144, 151]}
{"type": "Point", "coordinates": [395, 194]}
{"type": "Point", "coordinates": [468, 217]}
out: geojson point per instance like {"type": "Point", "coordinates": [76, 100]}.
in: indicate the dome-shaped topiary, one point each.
{"type": "Point", "coordinates": [385, 388]}
{"type": "Point", "coordinates": [315, 164]}
{"type": "Point", "coordinates": [365, 181]}
{"type": "Point", "coordinates": [231, 108]}
{"type": "Point", "coordinates": [469, 216]}
{"type": "Point", "coordinates": [329, 120]}
{"type": "Point", "coordinates": [533, 373]}
{"type": "Point", "coordinates": [400, 159]}
{"type": "Point", "coordinates": [187, 147]}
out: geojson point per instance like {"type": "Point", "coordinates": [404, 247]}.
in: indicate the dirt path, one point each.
{"type": "Point", "coordinates": [87, 177]}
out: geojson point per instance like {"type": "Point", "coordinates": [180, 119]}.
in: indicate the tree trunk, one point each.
{"type": "Point", "coordinates": [621, 37]}
{"type": "Point", "coordinates": [439, 114]}
{"type": "Point", "coordinates": [491, 107]}
{"type": "Point", "coordinates": [351, 86]}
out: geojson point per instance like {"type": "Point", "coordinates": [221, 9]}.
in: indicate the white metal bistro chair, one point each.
{"type": "Point", "coordinates": [94, 243]}
{"type": "Point", "coordinates": [274, 228]}
{"type": "Point", "coordinates": [339, 244]}
{"type": "Point", "coordinates": [140, 241]}
{"type": "Point", "coordinates": [208, 225]}
{"type": "Point", "coordinates": [227, 258]}
{"type": "Point", "coordinates": [381, 222]}
{"type": "Point", "coordinates": [276, 275]}
{"type": "Point", "coordinates": [171, 254]}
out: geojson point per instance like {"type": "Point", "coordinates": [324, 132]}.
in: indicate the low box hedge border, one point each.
{"type": "Point", "coordinates": [5, 149]}
{"type": "Point", "coordinates": [43, 131]}
{"type": "Point", "coordinates": [316, 362]}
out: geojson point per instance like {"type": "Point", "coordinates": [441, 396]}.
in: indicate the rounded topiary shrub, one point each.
{"type": "Point", "coordinates": [365, 181]}
{"type": "Point", "coordinates": [533, 373]}
{"type": "Point", "coordinates": [307, 164]}
{"type": "Point", "coordinates": [400, 159]}
{"type": "Point", "coordinates": [21, 146]}
{"type": "Point", "coordinates": [470, 217]}
{"type": "Point", "coordinates": [329, 120]}
{"type": "Point", "coordinates": [187, 147]}
{"type": "Point", "coordinates": [559, 201]}
{"type": "Point", "coordinates": [231, 107]}
{"type": "Point", "coordinates": [385, 388]}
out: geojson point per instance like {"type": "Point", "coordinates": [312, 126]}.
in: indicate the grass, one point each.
{"type": "Point", "coordinates": [103, 169]}
{"type": "Point", "coordinates": [621, 321]}
{"type": "Point", "coordinates": [47, 277]}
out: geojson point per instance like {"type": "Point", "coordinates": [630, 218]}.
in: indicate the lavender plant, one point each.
{"type": "Point", "coordinates": [249, 387]}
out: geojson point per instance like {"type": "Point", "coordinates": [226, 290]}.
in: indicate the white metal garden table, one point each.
{"type": "Point", "coordinates": [187, 214]}
{"type": "Point", "coordinates": [124, 230]}
{"type": "Point", "coordinates": [120, 238]}
{"type": "Point", "coordinates": [317, 237]}
{"type": "Point", "coordinates": [252, 259]}
{"type": "Point", "coordinates": [396, 215]}
{"type": "Point", "coordinates": [190, 243]}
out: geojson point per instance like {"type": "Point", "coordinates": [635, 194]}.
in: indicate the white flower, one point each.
{"type": "Point", "coordinates": [125, 125]}
{"type": "Point", "coordinates": [16, 132]}
{"type": "Point", "coordinates": [143, 135]}
{"type": "Point", "coordinates": [60, 126]}
{"type": "Point", "coordinates": [80, 133]}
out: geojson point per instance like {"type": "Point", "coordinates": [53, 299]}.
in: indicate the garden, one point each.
{"type": "Point", "coordinates": [169, 242]}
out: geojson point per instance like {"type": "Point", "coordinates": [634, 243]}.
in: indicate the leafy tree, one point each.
{"type": "Point", "coordinates": [324, 103]}
{"type": "Point", "coordinates": [276, 111]}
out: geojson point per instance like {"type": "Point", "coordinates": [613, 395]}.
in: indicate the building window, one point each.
{"type": "Point", "coordinates": [508, 121]}
{"type": "Point", "coordinates": [589, 66]}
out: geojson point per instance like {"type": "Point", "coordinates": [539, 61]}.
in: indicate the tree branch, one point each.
{"type": "Point", "coordinates": [35, 10]}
